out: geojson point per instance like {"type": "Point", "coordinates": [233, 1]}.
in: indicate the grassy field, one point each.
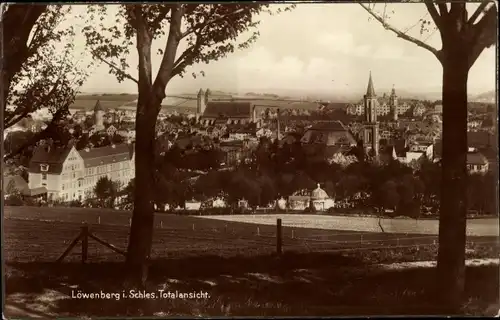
{"type": "Point", "coordinates": [41, 234]}
{"type": "Point", "coordinates": [321, 272]}
{"type": "Point", "coordinates": [475, 227]}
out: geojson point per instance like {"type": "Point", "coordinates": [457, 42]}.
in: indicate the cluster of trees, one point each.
{"type": "Point", "coordinates": [389, 188]}
{"type": "Point", "coordinates": [98, 140]}
{"type": "Point", "coordinates": [194, 153]}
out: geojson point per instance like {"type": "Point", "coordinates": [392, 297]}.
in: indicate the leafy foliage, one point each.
{"type": "Point", "coordinates": [106, 192]}
{"type": "Point", "coordinates": [209, 32]}
{"type": "Point", "coordinates": [38, 78]}
{"type": "Point", "coordinates": [36, 74]}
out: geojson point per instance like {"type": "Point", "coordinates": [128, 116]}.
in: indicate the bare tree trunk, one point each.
{"type": "Point", "coordinates": [141, 231]}
{"type": "Point", "coordinates": [452, 218]}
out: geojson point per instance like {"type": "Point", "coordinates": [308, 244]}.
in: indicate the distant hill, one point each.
{"type": "Point", "coordinates": [186, 102]}
{"type": "Point", "coordinates": [108, 96]}
{"type": "Point", "coordinates": [488, 97]}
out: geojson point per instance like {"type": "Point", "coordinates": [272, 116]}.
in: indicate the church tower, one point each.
{"type": "Point", "coordinates": [370, 100]}
{"type": "Point", "coordinates": [98, 116]}
{"type": "Point", "coordinates": [371, 128]}
{"type": "Point", "coordinates": [207, 96]}
{"type": "Point", "coordinates": [201, 104]}
{"type": "Point", "coordinates": [393, 103]}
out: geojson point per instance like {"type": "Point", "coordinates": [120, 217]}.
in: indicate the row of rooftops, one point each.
{"type": "Point", "coordinates": [54, 156]}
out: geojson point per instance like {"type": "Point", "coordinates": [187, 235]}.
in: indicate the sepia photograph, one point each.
{"type": "Point", "coordinates": [251, 159]}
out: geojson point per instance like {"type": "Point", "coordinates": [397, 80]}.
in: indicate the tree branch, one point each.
{"type": "Point", "coordinates": [215, 19]}
{"type": "Point", "coordinates": [168, 60]}
{"type": "Point", "coordinates": [143, 45]}
{"type": "Point", "coordinates": [401, 34]}
{"type": "Point", "coordinates": [480, 9]}
{"type": "Point", "coordinates": [483, 34]}
{"type": "Point", "coordinates": [433, 12]}
{"type": "Point", "coordinates": [156, 21]}
{"type": "Point", "coordinates": [58, 116]}
{"type": "Point", "coordinates": [442, 8]}
{"type": "Point", "coordinates": [181, 62]}
{"type": "Point", "coordinates": [11, 120]}
{"type": "Point", "coordinates": [114, 66]}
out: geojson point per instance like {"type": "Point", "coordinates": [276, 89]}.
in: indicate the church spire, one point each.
{"type": "Point", "coordinates": [370, 91]}
{"type": "Point", "coordinates": [393, 91]}
{"type": "Point", "coordinates": [98, 106]}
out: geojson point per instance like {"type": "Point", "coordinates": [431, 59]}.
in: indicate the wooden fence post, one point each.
{"type": "Point", "coordinates": [278, 237]}
{"type": "Point", "coordinates": [85, 243]}
{"type": "Point", "coordinates": [161, 224]}
{"type": "Point", "coordinates": [99, 220]}
{"type": "Point", "coordinates": [258, 231]}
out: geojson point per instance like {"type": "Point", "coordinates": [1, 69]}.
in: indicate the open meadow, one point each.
{"type": "Point", "coordinates": [321, 271]}
{"type": "Point", "coordinates": [41, 233]}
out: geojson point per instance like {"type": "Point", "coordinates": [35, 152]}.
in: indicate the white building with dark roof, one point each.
{"type": "Point", "coordinates": [68, 174]}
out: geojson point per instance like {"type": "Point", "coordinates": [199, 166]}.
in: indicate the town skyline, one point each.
{"type": "Point", "coordinates": [342, 48]}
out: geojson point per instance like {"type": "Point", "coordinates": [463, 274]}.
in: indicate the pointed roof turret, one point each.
{"type": "Point", "coordinates": [200, 93]}
{"type": "Point", "coordinates": [98, 106]}
{"type": "Point", "coordinates": [370, 91]}
{"type": "Point", "coordinates": [393, 91]}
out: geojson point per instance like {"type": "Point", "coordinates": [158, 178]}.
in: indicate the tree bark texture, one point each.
{"type": "Point", "coordinates": [453, 211]}
{"type": "Point", "coordinates": [141, 231]}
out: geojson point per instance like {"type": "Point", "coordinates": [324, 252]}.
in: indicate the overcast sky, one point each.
{"type": "Point", "coordinates": [321, 48]}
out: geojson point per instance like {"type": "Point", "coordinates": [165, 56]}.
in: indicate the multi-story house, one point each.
{"type": "Point", "coordinates": [421, 146]}
{"type": "Point", "coordinates": [355, 109]}
{"type": "Point", "coordinates": [68, 174]}
{"type": "Point", "coordinates": [386, 134]}
{"type": "Point", "coordinates": [402, 108]}
{"type": "Point", "coordinates": [476, 162]}
{"type": "Point", "coordinates": [418, 110]}
{"type": "Point", "coordinates": [111, 130]}
{"type": "Point", "coordinates": [473, 125]}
